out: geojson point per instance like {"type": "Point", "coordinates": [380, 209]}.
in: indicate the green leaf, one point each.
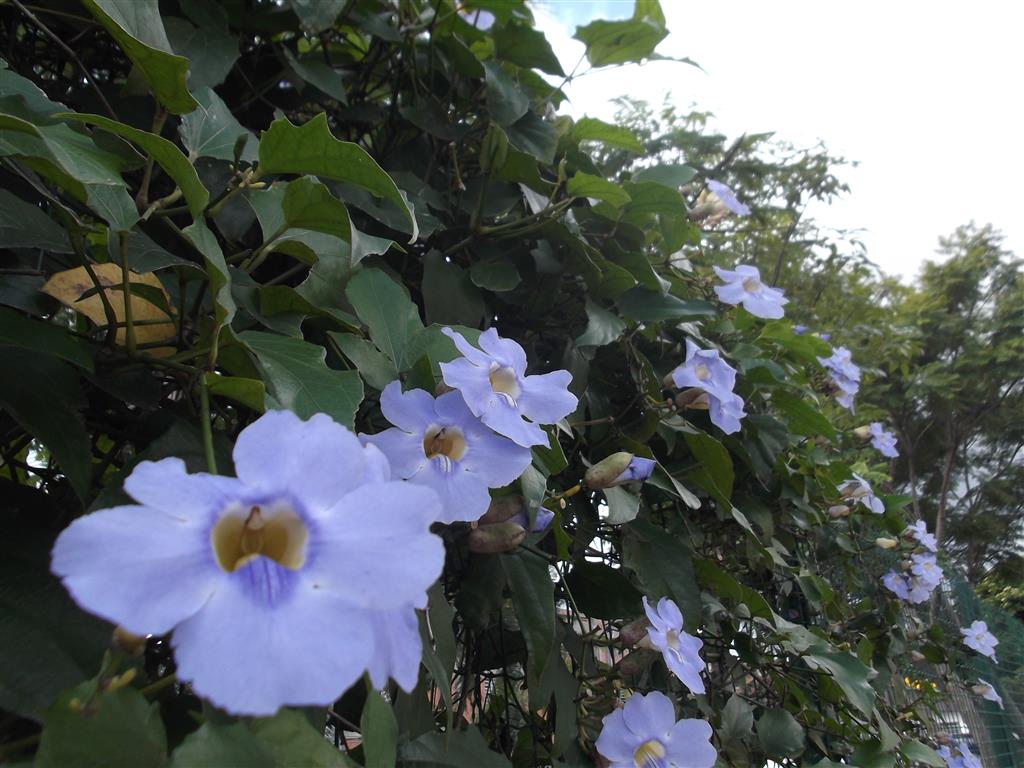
{"type": "Point", "coordinates": [310, 148]}
{"type": "Point", "coordinates": [217, 746]}
{"type": "Point", "coordinates": [526, 47]}
{"type": "Point", "coordinates": [23, 225]}
{"type": "Point", "coordinates": [623, 506]}
{"type": "Point", "coordinates": [592, 129]}
{"type": "Point", "coordinates": [506, 101]}
{"type": "Point", "coordinates": [715, 473]}
{"type": "Point", "coordinates": [376, 370]}
{"type": "Point", "coordinates": [671, 176]}
{"type": "Point", "coordinates": [216, 269]}
{"type": "Point", "coordinates": [533, 595]}
{"type": "Point", "coordinates": [212, 131]}
{"type": "Point", "coordinates": [602, 592]}
{"type": "Point", "coordinates": [780, 734]}
{"type": "Point", "coordinates": [315, 71]}
{"type": "Point", "coordinates": [115, 729]}
{"type": "Point", "coordinates": [388, 313]}
{"type": "Point", "coordinates": [164, 152]}
{"type": "Point", "coordinates": [47, 643]}
{"type": "Point", "coordinates": [586, 185]}
{"type": "Point", "coordinates": [317, 15]}
{"type": "Point", "coordinates": [308, 204]}
{"type": "Point", "coordinates": [534, 136]}
{"type": "Point", "coordinates": [850, 674]}
{"type": "Point", "coordinates": [211, 50]}
{"type": "Point", "coordinates": [603, 327]}
{"type": "Point", "coordinates": [458, 749]}
{"type": "Point", "coordinates": [249, 392]}
{"type": "Point", "coordinates": [298, 378]}
{"type": "Point", "coordinates": [45, 398]}
{"type": "Point", "coordinates": [803, 418]}
{"type": "Point", "coordinates": [137, 27]}
{"type": "Point", "coordinates": [292, 741]}
{"type": "Point", "coordinates": [737, 720]}
{"type": "Point", "coordinates": [380, 730]}
{"type": "Point", "coordinates": [449, 295]}
{"type": "Point", "coordinates": [806, 348]}
{"type": "Point", "coordinates": [618, 42]}
{"type": "Point", "coordinates": [917, 752]}
{"type": "Point", "coordinates": [650, 306]}
{"type": "Point", "coordinates": [16, 330]}
{"type": "Point", "coordinates": [663, 564]}
{"type": "Point", "coordinates": [495, 275]}
{"type": "Point", "coordinates": [650, 197]}
{"type": "Point", "coordinates": [725, 586]}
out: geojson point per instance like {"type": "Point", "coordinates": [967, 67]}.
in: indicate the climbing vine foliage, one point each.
{"type": "Point", "coordinates": [359, 407]}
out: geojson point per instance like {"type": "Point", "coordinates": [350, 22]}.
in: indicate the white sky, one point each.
{"type": "Point", "coordinates": [920, 94]}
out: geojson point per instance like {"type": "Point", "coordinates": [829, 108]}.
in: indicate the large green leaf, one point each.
{"type": "Point", "coordinates": [535, 136]}
{"type": "Point", "coordinates": [715, 472]}
{"type": "Point", "coordinates": [737, 720]}
{"type": "Point", "coordinates": [308, 204]}
{"type": "Point", "coordinates": [533, 598]}
{"type": "Point", "coordinates": [212, 131]}
{"type": "Point", "coordinates": [663, 564]}
{"type": "Point", "coordinates": [315, 71]}
{"type": "Point", "coordinates": [292, 741]}
{"type": "Point", "coordinates": [623, 505]}
{"type": "Point", "coordinates": [16, 330]}
{"type": "Point", "coordinates": [379, 730]}
{"type": "Point", "coordinates": [310, 148]}
{"type": "Point", "coordinates": [618, 42]}
{"type": "Point", "coordinates": [216, 269]}
{"type": "Point", "coordinates": [919, 753]}
{"type": "Point", "coordinates": [458, 749]}
{"type": "Point", "coordinates": [804, 419]}
{"type": "Point", "coordinates": [218, 746]}
{"type": "Point", "coordinates": [164, 152]}
{"type": "Point", "coordinates": [587, 185]}
{"type": "Point", "coordinates": [120, 729]}
{"type": "Point", "coordinates": [208, 45]}
{"type": "Point", "coordinates": [298, 379]}
{"type": "Point", "coordinates": [650, 306]}
{"type": "Point", "coordinates": [603, 327]}
{"type": "Point", "coordinates": [23, 225]}
{"type": "Point", "coordinates": [377, 370]}
{"type": "Point", "coordinates": [602, 592]}
{"type": "Point", "coordinates": [850, 674]}
{"type": "Point", "coordinates": [506, 100]}
{"type": "Point", "coordinates": [780, 734]}
{"type": "Point", "coordinates": [388, 313]}
{"type": "Point", "coordinates": [526, 47]}
{"type": "Point", "coordinates": [137, 27]}
{"type": "Point", "coordinates": [317, 15]}
{"type": "Point", "coordinates": [592, 129]}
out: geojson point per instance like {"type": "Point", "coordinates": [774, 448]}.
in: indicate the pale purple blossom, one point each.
{"type": "Point", "coordinates": [439, 443]}
{"type": "Point", "coordinates": [845, 375]}
{"type": "Point", "coordinates": [743, 286]}
{"type": "Point", "coordinates": [963, 757]}
{"type": "Point", "coordinates": [646, 734]}
{"type": "Point", "coordinates": [860, 491]}
{"type": "Point", "coordinates": [919, 532]}
{"type": "Point", "coordinates": [495, 387]}
{"type": "Point", "coordinates": [680, 650]}
{"type": "Point", "coordinates": [907, 587]}
{"type": "Point", "coordinates": [987, 691]}
{"type": "Point", "coordinates": [978, 638]}
{"type": "Point", "coordinates": [925, 568]}
{"type": "Point", "coordinates": [825, 336]}
{"type": "Point", "coordinates": [639, 470]}
{"type": "Point", "coordinates": [728, 198]}
{"type": "Point", "coordinates": [255, 574]}
{"type": "Point", "coordinates": [884, 442]}
{"type": "Point", "coordinates": [541, 521]}
{"type": "Point", "coordinates": [704, 369]}
{"type": "Point", "coordinates": [799, 330]}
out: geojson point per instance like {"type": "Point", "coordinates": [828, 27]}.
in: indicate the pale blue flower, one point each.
{"type": "Point", "coordinates": [978, 638]}
{"type": "Point", "coordinates": [925, 567]}
{"type": "Point", "coordinates": [799, 330]}
{"type": "Point", "coordinates": [439, 443]}
{"type": "Point", "coordinates": [646, 734]}
{"type": "Point", "coordinates": [919, 532]}
{"type": "Point", "coordinates": [494, 384]}
{"type": "Point", "coordinates": [639, 470]}
{"type": "Point", "coordinates": [680, 650]}
{"type": "Point", "coordinates": [825, 336]}
{"type": "Point", "coordinates": [963, 758]}
{"type": "Point", "coordinates": [898, 584]}
{"type": "Point", "coordinates": [282, 585]}
{"type": "Point", "coordinates": [704, 369]}
{"type": "Point", "coordinates": [860, 490]}
{"type": "Point", "coordinates": [743, 286]}
{"type": "Point", "coordinates": [541, 522]}
{"type": "Point", "coordinates": [988, 692]}
{"type": "Point", "coordinates": [884, 442]}
{"type": "Point", "coordinates": [728, 198]}
{"type": "Point", "coordinates": [845, 375]}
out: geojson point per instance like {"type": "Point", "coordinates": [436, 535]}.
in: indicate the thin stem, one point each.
{"type": "Point", "coordinates": [204, 415]}
{"type": "Point", "coordinates": [129, 329]}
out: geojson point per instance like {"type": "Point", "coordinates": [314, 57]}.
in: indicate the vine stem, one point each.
{"type": "Point", "coordinates": [129, 328]}
{"type": "Point", "coordinates": [204, 408]}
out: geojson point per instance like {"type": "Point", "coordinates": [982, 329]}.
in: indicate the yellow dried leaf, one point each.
{"type": "Point", "coordinates": [68, 286]}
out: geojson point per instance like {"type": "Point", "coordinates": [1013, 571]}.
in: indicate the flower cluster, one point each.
{"type": "Point", "coordinates": [978, 638]}
{"type": "Point", "coordinates": [646, 734]}
{"type": "Point", "coordinates": [255, 574]}
{"type": "Point", "coordinates": [743, 286]}
{"type": "Point", "coordinates": [962, 757]}
{"type": "Point", "coordinates": [845, 375]}
{"type": "Point", "coordinates": [708, 382]}
{"type": "Point", "coordinates": [919, 533]}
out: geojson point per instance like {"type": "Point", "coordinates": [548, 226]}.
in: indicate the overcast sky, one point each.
{"type": "Point", "coordinates": [925, 96]}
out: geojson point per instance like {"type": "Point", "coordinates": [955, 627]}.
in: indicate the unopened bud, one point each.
{"type": "Point", "coordinates": [503, 508]}
{"type": "Point", "coordinates": [495, 538]}
{"type": "Point", "coordinates": [605, 472]}
{"type": "Point", "coordinates": [917, 657]}
{"type": "Point", "coordinates": [906, 565]}
{"type": "Point", "coordinates": [981, 690]}
{"type": "Point", "coordinates": [633, 633]}
{"type": "Point", "coordinates": [694, 398]}
{"type": "Point", "coordinates": [862, 433]}
{"type": "Point", "coordinates": [636, 662]}
{"type": "Point", "coordinates": [839, 510]}
{"type": "Point", "coordinates": [885, 543]}
{"type": "Point", "coordinates": [128, 642]}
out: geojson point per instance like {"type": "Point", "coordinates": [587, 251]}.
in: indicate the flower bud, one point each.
{"type": "Point", "coordinates": [917, 657]}
{"type": "Point", "coordinates": [885, 543]}
{"type": "Point", "coordinates": [862, 433]}
{"type": "Point", "coordinates": [636, 662]}
{"type": "Point", "coordinates": [606, 472]}
{"type": "Point", "coordinates": [694, 397]}
{"type": "Point", "coordinates": [839, 510]}
{"type": "Point", "coordinates": [495, 538]}
{"type": "Point", "coordinates": [633, 633]}
{"type": "Point", "coordinates": [980, 690]}
{"type": "Point", "coordinates": [502, 508]}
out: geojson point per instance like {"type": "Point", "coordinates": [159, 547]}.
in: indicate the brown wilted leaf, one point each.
{"type": "Point", "coordinates": [68, 286]}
